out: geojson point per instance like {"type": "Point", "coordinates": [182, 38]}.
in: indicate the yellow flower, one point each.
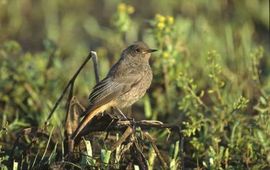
{"type": "Point", "coordinates": [170, 20]}
{"type": "Point", "coordinates": [165, 55]}
{"type": "Point", "coordinates": [160, 18]}
{"type": "Point", "coordinates": [168, 30]}
{"type": "Point", "coordinates": [122, 7]}
{"type": "Point", "coordinates": [130, 9]}
{"type": "Point", "coordinates": [160, 25]}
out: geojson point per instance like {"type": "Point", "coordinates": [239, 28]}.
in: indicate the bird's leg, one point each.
{"type": "Point", "coordinates": [131, 120]}
{"type": "Point", "coordinates": [133, 124]}
{"type": "Point", "coordinates": [120, 113]}
{"type": "Point", "coordinates": [112, 113]}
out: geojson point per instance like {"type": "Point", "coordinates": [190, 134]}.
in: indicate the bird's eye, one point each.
{"type": "Point", "coordinates": [138, 50]}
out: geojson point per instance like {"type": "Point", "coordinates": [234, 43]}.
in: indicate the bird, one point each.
{"type": "Point", "coordinates": [126, 82]}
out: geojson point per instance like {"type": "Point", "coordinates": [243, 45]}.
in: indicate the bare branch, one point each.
{"type": "Point", "coordinates": [95, 63]}
{"type": "Point", "coordinates": [71, 81]}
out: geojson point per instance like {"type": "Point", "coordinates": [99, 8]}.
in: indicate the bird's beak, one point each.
{"type": "Point", "coordinates": [151, 50]}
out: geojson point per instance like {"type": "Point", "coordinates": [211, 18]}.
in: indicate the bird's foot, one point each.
{"type": "Point", "coordinates": [132, 123]}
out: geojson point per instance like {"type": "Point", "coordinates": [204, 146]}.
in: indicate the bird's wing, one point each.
{"type": "Point", "coordinates": [109, 89]}
{"type": "Point", "coordinates": [104, 93]}
{"type": "Point", "coordinates": [104, 89]}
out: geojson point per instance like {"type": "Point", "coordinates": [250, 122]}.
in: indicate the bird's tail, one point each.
{"type": "Point", "coordinates": [84, 122]}
{"type": "Point", "coordinates": [89, 116]}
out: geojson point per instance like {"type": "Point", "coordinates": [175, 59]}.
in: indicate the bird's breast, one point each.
{"type": "Point", "coordinates": [139, 89]}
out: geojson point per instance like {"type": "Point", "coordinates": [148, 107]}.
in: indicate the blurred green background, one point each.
{"type": "Point", "coordinates": [211, 74]}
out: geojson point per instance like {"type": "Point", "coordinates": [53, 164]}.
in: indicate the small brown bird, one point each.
{"type": "Point", "coordinates": [126, 82]}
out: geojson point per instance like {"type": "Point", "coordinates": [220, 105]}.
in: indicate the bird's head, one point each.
{"type": "Point", "coordinates": [139, 51]}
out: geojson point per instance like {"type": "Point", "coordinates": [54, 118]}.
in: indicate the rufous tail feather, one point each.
{"type": "Point", "coordinates": [89, 116]}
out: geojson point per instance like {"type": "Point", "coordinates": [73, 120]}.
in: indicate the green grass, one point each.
{"type": "Point", "coordinates": [211, 77]}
